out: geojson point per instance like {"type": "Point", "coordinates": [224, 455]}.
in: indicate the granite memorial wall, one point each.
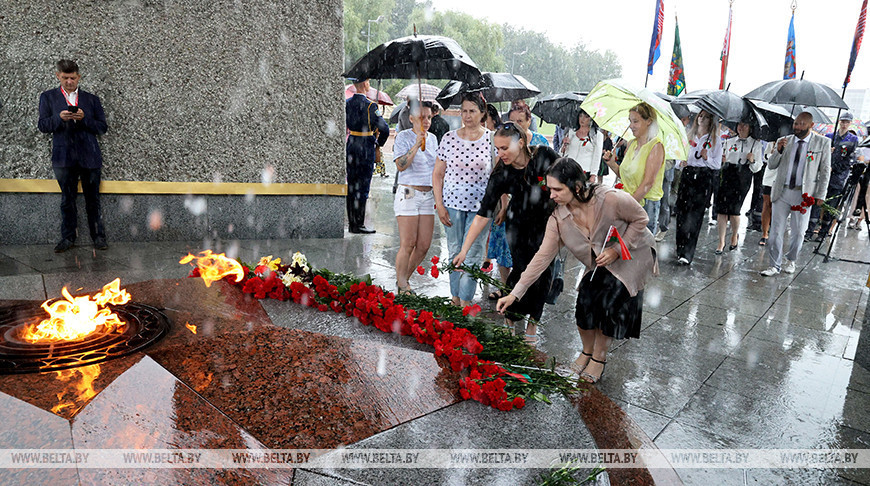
{"type": "Point", "coordinates": [225, 117]}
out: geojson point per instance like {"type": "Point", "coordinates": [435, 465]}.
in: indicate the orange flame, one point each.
{"type": "Point", "coordinates": [78, 392]}
{"type": "Point", "coordinates": [76, 317]}
{"type": "Point", "coordinates": [215, 266]}
{"type": "Point", "coordinates": [190, 327]}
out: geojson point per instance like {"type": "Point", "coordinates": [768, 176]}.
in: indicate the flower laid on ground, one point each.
{"type": "Point", "coordinates": [486, 381]}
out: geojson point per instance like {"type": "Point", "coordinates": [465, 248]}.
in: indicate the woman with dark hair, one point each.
{"type": "Point", "coordinates": [610, 294]}
{"type": "Point", "coordinates": [700, 174]}
{"type": "Point", "coordinates": [743, 158]}
{"type": "Point", "coordinates": [459, 182]}
{"type": "Point", "coordinates": [413, 203]}
{"type": "Point", "coordinates": [521, 115]}
{"type": "Point", "coordinates": [585, 145]}
{"type": "Point", "coordinates": [520, 172]}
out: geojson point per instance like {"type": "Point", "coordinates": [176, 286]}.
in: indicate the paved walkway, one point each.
{"type": "Point", "coordinates": [726, 359]}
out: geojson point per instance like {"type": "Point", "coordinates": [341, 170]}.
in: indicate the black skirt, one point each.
{"type": "Point", "coordinates": [604, 303]}
{"type": "Point", "coordinates": [733, 186]}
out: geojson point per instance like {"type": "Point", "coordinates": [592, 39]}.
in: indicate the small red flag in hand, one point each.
{"type": "Point", "coordinates": [613, 236]}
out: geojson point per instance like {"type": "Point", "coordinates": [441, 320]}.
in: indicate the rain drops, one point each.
{"type": "Point", "coordinates": [155, 220]}
{"type": "Point", "coordinates": [196, 205]}
{"type": "Point", "coordinates": [268, 175]}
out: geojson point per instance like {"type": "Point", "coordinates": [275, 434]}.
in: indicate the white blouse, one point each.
{"type": "Point", "coordinates": [586, 151]}
{"type": "Point", "coordinates": [469, 163]}
{"type": "Point", "coordinates": [737, 150]}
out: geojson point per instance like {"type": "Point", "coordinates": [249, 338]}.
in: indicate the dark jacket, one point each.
{"type": "Point", "coordinates": [73, 143]}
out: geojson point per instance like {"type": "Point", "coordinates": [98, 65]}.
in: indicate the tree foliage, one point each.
{"type": "Point", "coordinates": [498, 48]}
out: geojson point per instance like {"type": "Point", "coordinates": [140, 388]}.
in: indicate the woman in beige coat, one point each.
{"type": "Point", "coordinates": [610, 294]}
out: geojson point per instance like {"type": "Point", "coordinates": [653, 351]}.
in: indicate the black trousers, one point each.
{"type": "Point", "coordinates": [68, 180]}
{"type": "Point", "coordinates": [696, 188]}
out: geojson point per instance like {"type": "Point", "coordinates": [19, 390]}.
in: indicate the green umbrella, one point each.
{"type": "Point", "coordinates": [609, 102]}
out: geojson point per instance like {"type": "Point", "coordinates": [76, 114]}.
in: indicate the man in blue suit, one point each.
{"type": "Point", "coordinates": [363, 120]}
{"type": "Point", "coordinates": [75, 117]}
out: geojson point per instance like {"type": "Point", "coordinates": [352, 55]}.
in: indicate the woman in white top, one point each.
{"type": "Point", "coordinates": [585, 145]}
{"type": "Point", "coordinates": [414, 203]}
{"type": "Point", "coordinates": [742, 158]}
{"type": "Point", "coordinates": [700, 173]}
{"type": "Point", "coordinates": [459, 181]}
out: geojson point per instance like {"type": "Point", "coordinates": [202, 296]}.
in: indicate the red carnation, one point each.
{"type": "Point", "coordinates": [618, 185]}
{"type": "Point", "coordinates": [435, 260]}
{"type": "Point", "coordinates": [519, 402]}
{"type": "Point", "coordinates": [434, 271]}
{"type": "Point", "coordinates": [472, 310]}
{"type": "Point", "coordinates": [420, 269]}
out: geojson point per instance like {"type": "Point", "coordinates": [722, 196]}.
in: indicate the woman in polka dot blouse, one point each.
{"type": "Point", "coordinates": [459, 182]}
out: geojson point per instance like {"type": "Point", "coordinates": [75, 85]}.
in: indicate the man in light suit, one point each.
{"type": "Point", "coordinates": [803, 163]}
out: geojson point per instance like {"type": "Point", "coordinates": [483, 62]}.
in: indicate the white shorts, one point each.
{"type": "Point", "coordinates": [412, 202]}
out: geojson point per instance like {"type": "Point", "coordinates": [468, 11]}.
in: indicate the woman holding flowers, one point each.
{"type": "Point", "coordinates": [610, 294]}
{"type": "Point", "coordinates": [413, 203]}
{"type": "Point", "coordinates": [520, 172]}
{"type": "Point", "coordinates": [459, 182]}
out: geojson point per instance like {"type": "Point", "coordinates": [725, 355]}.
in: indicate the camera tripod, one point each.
{"type": "Point", "coordinates": [849, 193]}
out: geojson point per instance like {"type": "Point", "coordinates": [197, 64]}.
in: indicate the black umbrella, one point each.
{"type": "Point", "coordinates": [394, 116]}
{"type": "Point", "coordinates": [493, 87]}
{"type": "Point", "coordinates": [818, 115]}
{"type": "Point", "coordinates": [416, 57]}
{"type": "Point", "coordinates": [798, 92]}
{"type": "Point", "coordinates": [684, 105]}
{"type": "Point", "coordinates": [561, 109]}
{"type": "Point", "coordinates": [779, 120]}
{"type": "Point", "coordinates": [730, 108]}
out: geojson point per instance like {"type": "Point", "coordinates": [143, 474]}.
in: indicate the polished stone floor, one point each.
{"type": "Point", "coordinates": [726, 359]}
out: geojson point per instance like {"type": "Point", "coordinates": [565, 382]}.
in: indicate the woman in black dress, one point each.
{"type": "Point", "coordinates": [520, 172]}
{"type": "Point", "coordinates": [743, 157]}
{"type": "Point", "coordinates": [610, 294]}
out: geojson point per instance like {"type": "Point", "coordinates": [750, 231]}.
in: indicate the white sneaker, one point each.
{"type": "Point", "coordinates": [660, 236]}
{"type": "Point", "coordinates": [770, 272]}
{"type": "Point", "coordinates": [788, 266]}
{"type": "Point", "coordinates": [683, 261]}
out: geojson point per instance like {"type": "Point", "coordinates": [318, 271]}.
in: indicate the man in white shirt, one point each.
{"type": "Point", "coordinates": [805, 160]}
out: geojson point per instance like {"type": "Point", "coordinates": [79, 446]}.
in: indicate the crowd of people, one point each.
{"type": "Point", "coordinates": [503, 194]}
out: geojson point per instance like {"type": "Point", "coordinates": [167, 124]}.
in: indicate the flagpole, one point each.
{"type": "Point", "coordinates": [606, 237]}
{"type": "Point", "coordinates": [853, 56]}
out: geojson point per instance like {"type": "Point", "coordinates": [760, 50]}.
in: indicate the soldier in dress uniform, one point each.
{"type": "Point", "coordinates": [363, 120]}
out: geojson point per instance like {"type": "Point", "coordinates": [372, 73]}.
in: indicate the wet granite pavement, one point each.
{"type": "Point", "coordinates": [726, 359]}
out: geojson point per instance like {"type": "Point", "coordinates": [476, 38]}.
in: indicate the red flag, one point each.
{"type": "Point", "coordinates": [726, 48]}
{"type": "Point", "coordinates": [856, 42]}
{"type": "Point", "coordinates": [613, 236]}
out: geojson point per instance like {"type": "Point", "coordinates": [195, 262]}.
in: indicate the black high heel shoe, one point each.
{"type": "Point", "coordinates": [593, 379]}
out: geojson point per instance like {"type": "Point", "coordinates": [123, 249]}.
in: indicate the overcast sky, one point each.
{"type": "Point", "coordinates": [823, 31]}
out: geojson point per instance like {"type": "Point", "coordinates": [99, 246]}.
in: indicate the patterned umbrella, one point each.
{"type": "Point", "coordinates": [413, 91]}
{"type": "Point", "coordinates": [610, 101]}
{"type": "Point", "coordinates": [372, 94]}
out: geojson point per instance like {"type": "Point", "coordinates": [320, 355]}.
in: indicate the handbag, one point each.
{"type": "Point", "coordinates": [557, 282]}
